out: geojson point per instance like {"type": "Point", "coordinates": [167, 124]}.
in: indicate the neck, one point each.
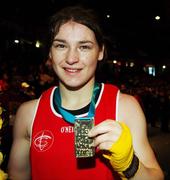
{"type": "Point", "coordinates": [73, 99]}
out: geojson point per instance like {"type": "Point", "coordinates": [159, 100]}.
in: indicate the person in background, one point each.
{"type": "Point", "coordinates": [44, 133]}
{"type": "Point", "coordinates": [3, 81]}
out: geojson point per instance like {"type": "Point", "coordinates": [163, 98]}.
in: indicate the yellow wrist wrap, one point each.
{"type": "Point", "coordinates": [121, 153]}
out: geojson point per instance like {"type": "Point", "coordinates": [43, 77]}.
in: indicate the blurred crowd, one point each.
{"type": "Point", "coordinates": [154, 97]}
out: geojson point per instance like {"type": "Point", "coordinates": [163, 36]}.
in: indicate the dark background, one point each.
{"type": "Point", "coordinates": [134, 33]}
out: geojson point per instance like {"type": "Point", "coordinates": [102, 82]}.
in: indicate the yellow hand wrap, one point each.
{"type": "Point", "coordinates": [121, 153]}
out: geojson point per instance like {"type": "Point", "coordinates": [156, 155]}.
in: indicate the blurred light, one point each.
{"type": "Point", "coordinates": [114, 61]}
{"type": "Point", "coordinates": [16, 41]}
{"type": "Point", "coordinates": [150, 69]}
{"type": "Point", "coordinates": [157, 18]}
{"type": "Point", "coordinates": [108, 16]}
{"type": "Point", "coordinates": [25, 85]}
{"type": "Point", "coordinates": [164, 67]}
{"type": "Point", "coordinates": [132, 64]}
{"type": "Point", "coordinates": [37, 44]}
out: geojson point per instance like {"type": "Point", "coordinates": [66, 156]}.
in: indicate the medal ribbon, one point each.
{"type": "Point", "coordinates": [70, 117]}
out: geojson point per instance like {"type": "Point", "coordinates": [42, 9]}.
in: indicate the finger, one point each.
{"type": "Point", "coordinates": [104, 127]}
{"type": "Point", "coordinates": [105, 146]}
{"type": "Point", "coordinates": [107, 137]}
{"type": "Point", "coordinates": [101, 128]}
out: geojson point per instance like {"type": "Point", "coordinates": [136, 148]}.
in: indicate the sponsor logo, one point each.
{"type": "Point", "coordinates": [43, 140]}
{"type": "Point", "coordinates": [67, 129]}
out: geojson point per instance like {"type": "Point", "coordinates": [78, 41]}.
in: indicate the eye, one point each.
{"type": "Point", "coordinates": [59, 45]}
{"type": "Point", "coordinates": [85, 47]}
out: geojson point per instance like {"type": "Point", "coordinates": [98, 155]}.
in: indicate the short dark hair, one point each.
{"type": "Point", "coordinates": [79, 14]}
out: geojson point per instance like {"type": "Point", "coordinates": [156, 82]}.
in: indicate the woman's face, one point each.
{"type": "Point", "coordinates": [74, 54]}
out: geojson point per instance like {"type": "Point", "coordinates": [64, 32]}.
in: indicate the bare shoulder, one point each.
{"type": "Point", "coordinates": [130, 111]}
{"type": "Point", "coordinates": [28, 107]}
{"type": "Point", "coordinates": [25, 115]}
{"type": "Point", "coordinates": [125, 99]}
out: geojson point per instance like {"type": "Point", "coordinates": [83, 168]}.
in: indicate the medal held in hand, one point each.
{"type": "Point", "coordinates": [83, 144]}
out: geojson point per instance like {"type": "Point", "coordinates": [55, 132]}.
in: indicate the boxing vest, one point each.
{"type": "Point", "coordinates": [52, 153]}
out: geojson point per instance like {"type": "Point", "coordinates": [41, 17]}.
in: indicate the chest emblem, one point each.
{"type": "Point", "coordinates": [43, 140]}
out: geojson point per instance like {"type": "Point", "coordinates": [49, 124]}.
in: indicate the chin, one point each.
{"type": "Point", "coordinates": [74, 85]}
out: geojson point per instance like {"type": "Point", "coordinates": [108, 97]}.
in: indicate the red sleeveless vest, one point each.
{"type": "Point", "coordinates": [52, 153]}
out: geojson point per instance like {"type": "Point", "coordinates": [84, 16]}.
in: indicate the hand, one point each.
{"type": "Point", "coordinates": [115, 137]}
{"type": "Point", "coordinates": [105, 134]}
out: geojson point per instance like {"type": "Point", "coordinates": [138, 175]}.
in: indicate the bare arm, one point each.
{"type": "Point", "coordinates": [131, 113]}
{"type": "Point", "coordinates": [19, 163]}
{"type": "Point", "coordinates": [108, 132]}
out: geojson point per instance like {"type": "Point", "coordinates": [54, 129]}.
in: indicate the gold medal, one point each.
{"type": "Point", "coordinates": [83, 144]}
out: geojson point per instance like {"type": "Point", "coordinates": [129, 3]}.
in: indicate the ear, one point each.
{"type": "Point", "coordinates": [49, 54]}
{"type": "Point", "coordinates": [101, 53]}
{"type": "Point", "coordinates": [48, 62]}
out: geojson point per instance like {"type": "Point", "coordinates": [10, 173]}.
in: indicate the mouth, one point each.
{"type": "Point", "coordinates": [72, 70]}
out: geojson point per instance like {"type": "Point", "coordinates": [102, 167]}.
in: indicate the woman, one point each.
{"type": "Point", "coordinates": [110, 128]}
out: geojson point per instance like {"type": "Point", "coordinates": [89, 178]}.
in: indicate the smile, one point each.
{"type": "Point", "coordinates": [71, 70]}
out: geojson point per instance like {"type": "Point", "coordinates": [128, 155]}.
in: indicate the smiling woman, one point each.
{"type": "Point", "coordinates": [74, 58]}
{"type": "Point", "coordinates": [80, 128]}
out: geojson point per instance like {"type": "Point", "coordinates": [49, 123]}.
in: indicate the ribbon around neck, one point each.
{"type": "Point", "coordinates": [67, 115]}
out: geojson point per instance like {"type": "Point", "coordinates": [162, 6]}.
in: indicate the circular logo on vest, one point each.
{"type": "Point", "coordinates": [43, 140]}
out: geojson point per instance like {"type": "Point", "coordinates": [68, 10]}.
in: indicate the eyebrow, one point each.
{"type": "Point", "coordinates": [80, 42]}
{"type": "Point", "coordinates": [86, 41]}
{"type": "Point", "coordinates": [60, 40]}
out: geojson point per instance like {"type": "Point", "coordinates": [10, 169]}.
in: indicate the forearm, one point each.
{"type": "Point", "coordinates": [19, 167]}
{"type": "Point", "coordinates": [19, 175]}
{"type": "Point", "coordinates": [144, 173]}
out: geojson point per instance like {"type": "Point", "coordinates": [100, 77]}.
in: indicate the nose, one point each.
{"type": "Point", "coordinates": [72, 56]}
